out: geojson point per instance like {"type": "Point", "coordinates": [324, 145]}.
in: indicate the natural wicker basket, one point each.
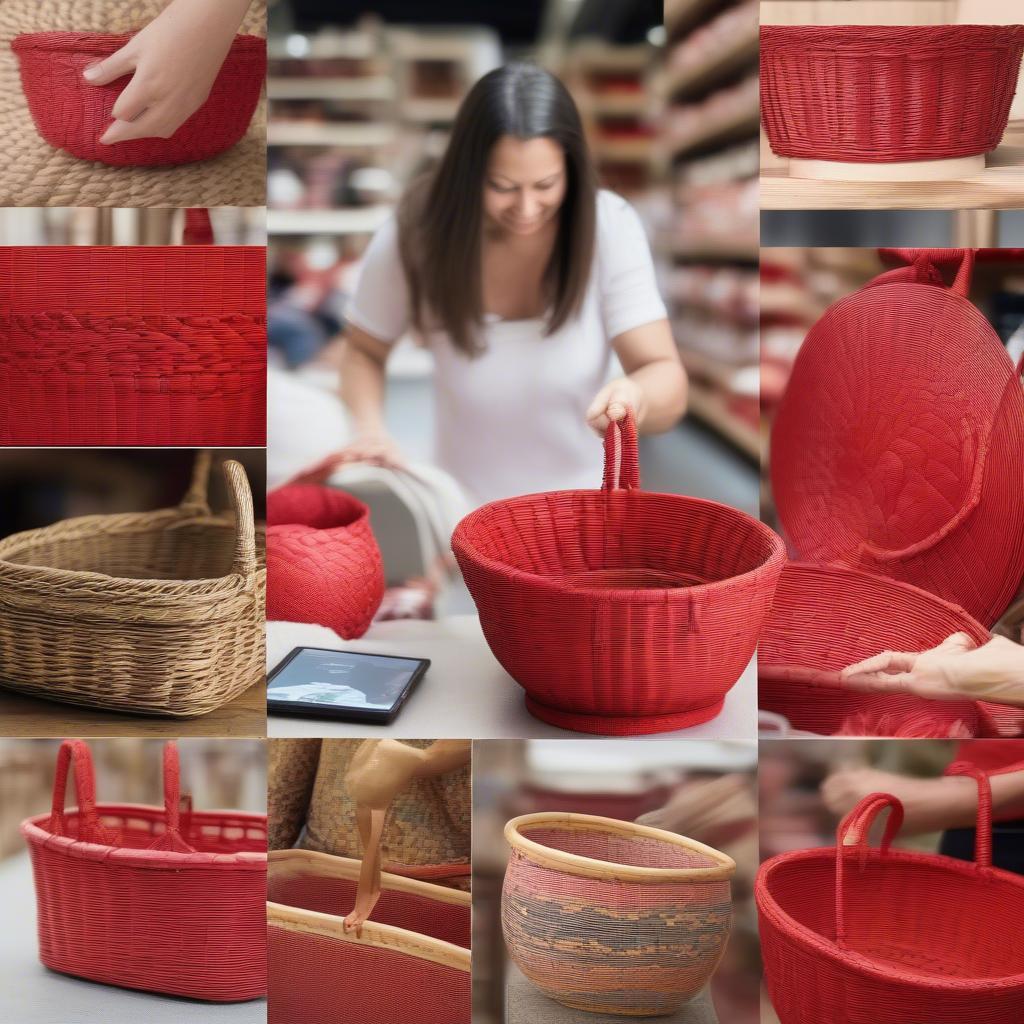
{"type": "Point", "coordinates": [612, 917]}
{"type": "Point", "coordinates": [873, 94]}
{"type": "Point", "coordinates": [158, 613]}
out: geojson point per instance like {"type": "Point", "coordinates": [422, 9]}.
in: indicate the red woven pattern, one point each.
{"type": "Point", "coordinates": [619, 611]}
{"type": "Point", "coordinates": [872, 94]}
{"type": "Point", "coordinates": [323, 563]}
{"type": "Point", "coordinates": [72, 115]}
{"type": "Point", "coordinates": [133, 346]}
{"type": "Point", "coordinates": [890, 937]}
{"type": "Point", "coordinates": [131, 896]}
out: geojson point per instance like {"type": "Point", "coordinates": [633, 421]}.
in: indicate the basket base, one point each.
{"type": "Point", "coordinates": [915, 170]}
{"type": "Point", "coordinates": [613, 1011]}
{"type": "Point", "coordinates": [622, 725]}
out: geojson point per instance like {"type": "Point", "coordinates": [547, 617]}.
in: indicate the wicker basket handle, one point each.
{"type": "Point", "coordinates": [921, 261]}
{"type": "Point", "coordinates": [983, 827]}
{"type": "Point", "coordinates": [196, 500]}
{"type": "Point", "coordinates": [76, 753]}
{"type": "Point", "coordinates": [244, 563]}
{"type": "Point", "coordinates": [621, 458]}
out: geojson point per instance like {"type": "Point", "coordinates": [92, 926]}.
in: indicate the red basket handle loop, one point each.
{"type": "Point", "coordinates": [76, 753]}
{"type": "Point", "coordinates": [172, 838]}
{"type": "Point", "coordinates": [198, 227]}
{"type": "Point", "coordinates": [983, 828]}
{"type": "Point", "coordinates": [621, 458]}
{"type": "Point", "coordinates": [921, 259]}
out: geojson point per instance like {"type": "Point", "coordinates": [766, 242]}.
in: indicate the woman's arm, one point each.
{"type": "Point", "coordinates": [363, 381]}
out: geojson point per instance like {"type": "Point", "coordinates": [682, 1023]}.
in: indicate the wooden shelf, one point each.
{"type": "Point", "coordinates": [716, 68]}
{"type": "Point", "coordinates": [427, 111]}
{"type": "Point", "coordinates": [359, 221]}
{"type": "Point", "coordinates": [715, 252]}
{"type": "Point", "coordinates": [618, 105]}
{"type": "Point", "coordinates": [639, 150]}
{"type": "Point", "coordinates": [711, 407]}
{"type": "Point", "coordinates": [742, 125]}
{"type": "Point", "coordinates": [341, 136]}
{"type": "Point", "coordinates": [369, 88]}
{"type": "Point", "coordinates": [598, 56]}
{"type": "Point", "coordinates": [701, 366]}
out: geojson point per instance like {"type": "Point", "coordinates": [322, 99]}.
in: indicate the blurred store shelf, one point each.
{"type": "Point", "coordinates": [361, 220]}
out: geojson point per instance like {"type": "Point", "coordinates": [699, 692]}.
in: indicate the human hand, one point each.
{"type": "Point", "coordinates": [613, 402]}
{"type": "Point", "coordinates": [702, 809]}
{"type": "Point", "coordinates": [380, 770]}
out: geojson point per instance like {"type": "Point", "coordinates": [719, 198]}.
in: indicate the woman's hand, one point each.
{"type": "Point", "coordinates": [613, 402]}
{"type": "Point", "coordinates": [376, 448]}
{"type": "Point", "coordinates": [173, 62]}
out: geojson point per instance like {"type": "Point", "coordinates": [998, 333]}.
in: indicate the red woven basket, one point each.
{"type": "Point", "coordinates": [150, 898]}
{"type": "Point", "coordinates": [620, 611]}
{"type": "Point", "coordinates": [134, 345]}
{"type": "Point", "coordinates": [323, 563]}
{"type": "Point", "coordinates": [72, 115]}
{"type": "Point", "coordinates": [872, 93]}
{"type": "Point", "coordinates": [883, 936]}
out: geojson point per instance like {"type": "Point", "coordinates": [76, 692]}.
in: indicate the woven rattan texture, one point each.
{"type": "Point", "coordinates": [632, 948]}
{"type": "Point", "coordinates": [872, 94]}
{"type": "Point", "coordinates": [323, 563]}
{"type": "Point", "coordinates": [291, 772]}
{"type": "Point", "coordinates": [133, 346]}
{"type": "Point", "coordinates": [120, 904]}
{"type": "Point", "coordinates": [619, 610]}
{"type": "Point", "coordinates": [34, 173]}
{"type": "Point", "coordinates": [155, 613]}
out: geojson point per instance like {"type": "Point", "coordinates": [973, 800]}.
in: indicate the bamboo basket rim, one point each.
{"type": "Point", "coordinates": [592, 867]}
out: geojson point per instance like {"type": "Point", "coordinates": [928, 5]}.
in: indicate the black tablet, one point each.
{"type": "Point", "coordinates": [354, 687]}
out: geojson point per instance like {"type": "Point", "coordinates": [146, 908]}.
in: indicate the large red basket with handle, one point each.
{"type": "Point", "coordinates": [620, 611]}
{"type": "Point", "coordinates": [875, 93]}
{"type": "Point", "coordinates": [154, 898]}
{"type": "Point", "coordinates": [323, 563]}
{"type": "Point", "coordinates": [71, 114]}
{"type": "Point", "coordinates": [884, 936]}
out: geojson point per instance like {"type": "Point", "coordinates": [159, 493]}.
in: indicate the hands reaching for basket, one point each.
{"type": "Point", "coordinates": [613, 402]}
{"type": "Point", "coordinates": [711, 811]}
{"type": "Point", "coordinates": [173, 62]}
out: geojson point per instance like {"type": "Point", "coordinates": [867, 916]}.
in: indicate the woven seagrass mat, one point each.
{"type": "Point", "coordinates": [33, 173]}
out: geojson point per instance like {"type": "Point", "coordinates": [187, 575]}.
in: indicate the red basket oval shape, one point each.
{"type": "Point", "coordinates": [873, 93]}
{"type": "Point", "coordinates": [891, 936]}
{"type": "Point", "coordinates": [620, 611]}
{"type": "Point", "coordinates": [611, 917]}
{"type": "Point", "coordinates": [133, 345]}
{"type": "Point", "coordinates": [323, 563]}
{"type": "Point", "coordinates": [72, 115]}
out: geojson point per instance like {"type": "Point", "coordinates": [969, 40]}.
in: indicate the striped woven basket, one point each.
{"type": "Point", "coordinates": [620, 611]}
{"type": "Point", "coordinates": [612, 917]}
{"type": "Point", "coordinates": [149, 897]}
{"type": "Point", "coordinates": [875, 94]}
{"type": "Point", "coordinates": [883, 936]}
{"type": "Point", "coordinates": [158, 613]}
{"type": "Point", "coordinates": [133, 346]}
{"type": "Point", "coordinates": [72, 115]}
{"type": "Point", "coordinates": [410, 965]}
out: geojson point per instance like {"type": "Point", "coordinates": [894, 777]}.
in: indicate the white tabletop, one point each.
{"type": "Point", "coordinates": [466, 693]}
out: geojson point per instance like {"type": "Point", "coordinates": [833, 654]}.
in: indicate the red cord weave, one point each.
{"type": "Point", "coordinates": [138, 345]}
{"type": "Point", "coordinates": [619, 611]}
{"type": "Point", "coordinates": [72, 115]}
{"type": "Point", "coordinates": [323, 563]}
{"type": "Point", "coordinates": [885, 936]}
{"type": "Point", "coordinates": [871, 93]}
{"type": "Point", "coordinates": [150, 898]}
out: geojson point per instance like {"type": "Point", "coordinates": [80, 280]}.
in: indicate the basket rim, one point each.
{"type": "Point", "coordinates": [855, 35]}
{"type": "Point", "coordinates": [777, 556]}
{"type": "Point", "coordinates": [109, 42]}
{"type": "Point", "coordinates": [770, 908]}
{"type": "Point", "coordinates": [37, 834]}
{"type": "Point", "coordinates": [592, 867]}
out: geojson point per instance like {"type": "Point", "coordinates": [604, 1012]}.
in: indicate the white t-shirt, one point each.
{"type": "Point", "coordinates": [512, 420]}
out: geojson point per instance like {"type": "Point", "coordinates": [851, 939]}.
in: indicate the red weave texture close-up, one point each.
{"type": "Point", "coordinates": [883, 936]}
{"type": "Point", "coordinates": [873, 93]}
{"type": "Point", "coordinates": [139, 345]}
{"type": "Point", "coordinates": [150, 898]}
{"type": "Point", "coordinates": [619, 611]}
{"type": "Point", "coordinates": [72, 115]}
{"type": "Point", "coordinates": [323, 562]}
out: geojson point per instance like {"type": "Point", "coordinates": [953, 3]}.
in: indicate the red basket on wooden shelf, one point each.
{"type": "Point", "coordinates": [883, 936]}
{"type": "Point", "coordinates": [875, 94]}
{"type": "Point", "coordinates": [150, 898]}
{"type": "Point", "coordinates": [133, 345]}
{"type": "Point", "coordinates": [72, 115]}
{"type": "Point", "coordinates": [620, 611]}
{"type": "Point", "coordinates": [323, 563]}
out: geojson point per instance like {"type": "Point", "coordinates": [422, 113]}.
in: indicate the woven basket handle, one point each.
{"type": "Point", "coordinates": [196, 500]}
{"type": "Point", "coordinates": [172, 838]}
{"type": "Point", "coordinates": [198, 227]}
{"type": "Point", "coordinates": [983, 827]}
{"type": "Point", "coordinates": [76, 753]}
{"type": "Point", "coordinates": [245, 524]}
{"type": "Point", "coordinates": [621, 458]}
{"type": "Point", "coordinates": [921, 261]}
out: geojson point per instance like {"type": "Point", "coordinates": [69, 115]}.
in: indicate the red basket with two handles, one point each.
{"type": "Point", "coordinates": [153, 898]}
{"type": "Point", "coordinates": [620, 611]}
{"type": "Point", "coordinates": [883, 936]}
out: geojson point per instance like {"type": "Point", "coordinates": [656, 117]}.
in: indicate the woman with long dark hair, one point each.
{"type": "Point", "coordinates": [522, 278]}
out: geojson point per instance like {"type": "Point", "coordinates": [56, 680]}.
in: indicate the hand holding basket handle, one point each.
{"type": "Point", "coordinates": [621, 455]}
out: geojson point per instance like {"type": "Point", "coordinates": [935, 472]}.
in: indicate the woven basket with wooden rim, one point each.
{"type": "Point", "coordinates": [157, 613]}
{"type": "Point", "coordinates": [612, 917]}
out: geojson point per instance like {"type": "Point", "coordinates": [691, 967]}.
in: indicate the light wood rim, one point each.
{"type": "Point", "coordinates": [953, 169]}
{"type": "Point", "coordinates": [591, 867]}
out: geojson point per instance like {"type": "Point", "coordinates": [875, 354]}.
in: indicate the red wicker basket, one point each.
{"type": "Point", "coordinates": [323, 563]}
{"type": "Point", "coordinates": [150, 898]}
{"type": "Point", "coordinates": [866, 936]}
{"type": "Point", "coordinates": [134, 345]}
{"type": "Point", "coordinates": [875, 94]}
{"type": "Point", "coordinates": [72, 115]}
{"type": "Point", "coordinates": [620, 611]}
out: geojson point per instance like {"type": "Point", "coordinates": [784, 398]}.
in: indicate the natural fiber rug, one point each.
{"type": "Point", "coordinates": [33, 173]}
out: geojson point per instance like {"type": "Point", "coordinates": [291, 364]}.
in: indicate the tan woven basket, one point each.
{"type": "Point", "coordinates": [157, 613]}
